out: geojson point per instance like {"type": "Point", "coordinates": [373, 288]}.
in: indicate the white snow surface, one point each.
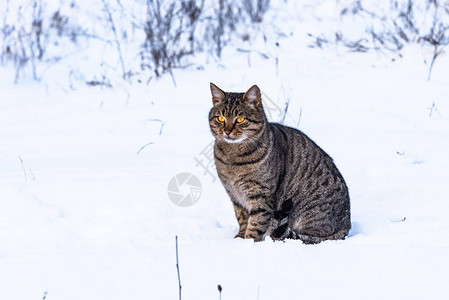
{"type": "Point", "coordinates": [84, 209]}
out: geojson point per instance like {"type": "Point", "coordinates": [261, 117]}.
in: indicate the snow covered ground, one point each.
{"type": "Point", "coordinates": [84, 209]}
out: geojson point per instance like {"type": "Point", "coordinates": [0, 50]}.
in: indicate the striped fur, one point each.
{"type": "Point", "coordinates": [280, 182]}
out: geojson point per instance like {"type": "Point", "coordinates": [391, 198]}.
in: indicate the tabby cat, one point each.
{"type": "Point", "coordinates": [281, 183]}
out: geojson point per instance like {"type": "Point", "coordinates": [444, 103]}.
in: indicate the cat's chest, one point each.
{"type": "Point", "coordinates": [241, 172]}
{"type": "Point", "coordinates": [239, 194]}
{"type": "Point", "coordinates": [241, 183]}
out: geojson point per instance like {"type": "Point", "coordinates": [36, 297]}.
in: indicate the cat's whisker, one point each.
{"type": "Point", "coordinates": [250, 141]}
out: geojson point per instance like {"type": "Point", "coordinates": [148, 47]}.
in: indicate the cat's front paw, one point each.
{"type": "Point", "coordinates": [240, 235]}
{"type": "Point", "coordinates": [255, 238]}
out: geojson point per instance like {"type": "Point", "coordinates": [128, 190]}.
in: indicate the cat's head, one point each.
{"type": "Point", "coordinates": [236, 117]}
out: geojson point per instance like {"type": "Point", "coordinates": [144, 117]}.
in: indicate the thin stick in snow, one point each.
{"type": "Point", "coordinates": [433, 109]}
{"type": "Point", "coordinates": [117, 42]}
{"type": "Point", "coordinates": [172, 77]}
{"type": "Point", "coordinates": [400, 220]}
{"type": "Point", "coordinates": [287, 103]}
{"type": "Point", "coordinates": [219, 290]}
{"type": "Point", "coordinates": [157, 120]}
{"type": "Point", "coordinates": [436, 53]}
{"type": "Point", "coordinates": [23, 168]}
{"type": "Point", "coordinates": [144, 146]}
{"type": "Point", "coordinates": [32, 174]}
{"type": "Point", "coordinates": [162, 127]}
{"type": "Point", "coordinates": [299, 119]}
{"type": "Point", "coordinates": [177, 268]}
{"type": "Point", "coordinates": [285, 110]}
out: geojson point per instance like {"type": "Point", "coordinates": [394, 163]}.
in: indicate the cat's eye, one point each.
{"type": "Point", "coordinates": [240, 119]}
{"type": "Point", "coordinates": [221, 119]}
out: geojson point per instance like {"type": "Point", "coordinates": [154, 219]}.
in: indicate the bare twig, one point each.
{"type": "Point", "coordinates": [144, 146]}
{"type": "Point", "coordinates": [23, 168]}
{"type": "Point", "coordinates": [219, 290]}
{"type": "Point", "coordinates": [287, 96]}
{"type": "Point", "coordinates": [256, 9]}
{"type": "Point", "coordinates": [32, 174]}
{"type": "Point", "coordinates": [117, 42]}
{"type": "Point", "coordinates": [177, 268]}
{"type": "Point", "coordinates": [172, 77]}
{"type": "Point", "coordinates": [157, 120]}
{"type": "Point", "coordinates": [285, 110]}
{"type": "Point", "coordinates": [436, 53]}
{"type": "Point", "coordinates": [220, 28]}
{"type": "Point", "coordinates": [299, 118]}
{"type": "Point", "coordinates": [433, 109]}
{"type": "Point", "coordinates": [243, 50]}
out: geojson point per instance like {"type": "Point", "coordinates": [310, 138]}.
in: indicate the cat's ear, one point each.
{"type": "Point", "coordinates": [217, 94]}
{"type": "Point", "coordinates": [253, 95]}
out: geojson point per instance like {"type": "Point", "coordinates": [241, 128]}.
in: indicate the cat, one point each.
{"type": "Point", "coordinates": [281, 183]}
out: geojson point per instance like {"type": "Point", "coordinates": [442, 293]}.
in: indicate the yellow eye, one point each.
{"type": "Point", "coordinates": [221, 119]}
{"type": "Point", "coordinates": [240, 120]}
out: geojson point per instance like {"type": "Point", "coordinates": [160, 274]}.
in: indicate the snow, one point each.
{"type": "Point", "coordinates": [85, 212]}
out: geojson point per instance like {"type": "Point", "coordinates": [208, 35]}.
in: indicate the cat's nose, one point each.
{"type": "Point", "coordinates": [228, 132]}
